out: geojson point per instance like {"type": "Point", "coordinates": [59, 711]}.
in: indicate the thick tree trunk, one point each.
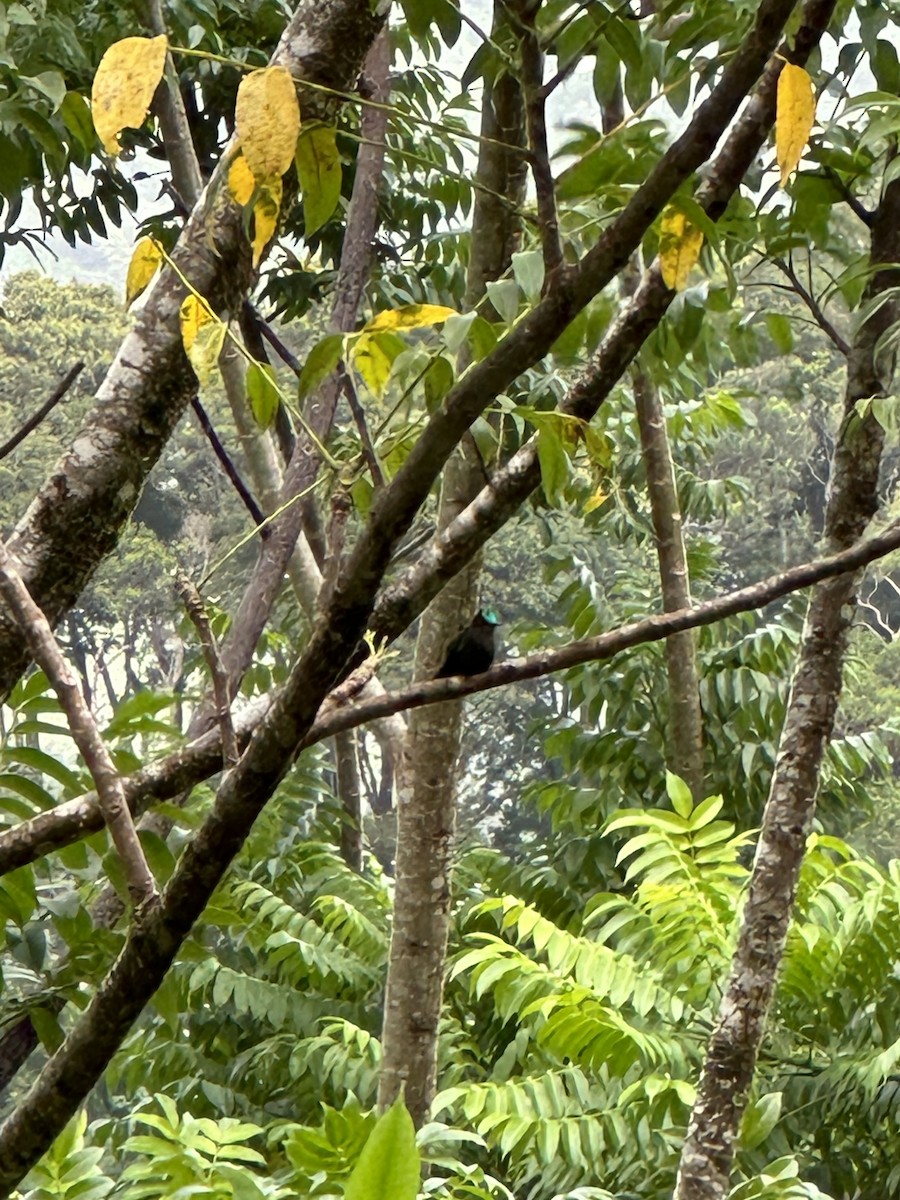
{"type": "Point", "coordinates": [427, 792]}
{"type": "Point", "coordinates": [853, 499]}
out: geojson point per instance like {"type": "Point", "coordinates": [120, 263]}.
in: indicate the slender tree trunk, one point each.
{"type": "Point", "coordinates": [853, 499]}
{"type": "Point", "coordinates": [685, 715]}
{"type": "Point", "coordinates": [349, 790]}
{"type": "Point", "coordinates": [427, 793]}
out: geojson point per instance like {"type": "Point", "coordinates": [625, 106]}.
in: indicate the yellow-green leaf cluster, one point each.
{"type": "Point", "coordinates": [794, 116]}
{"type": "Point", "coordinates": [128, 75]}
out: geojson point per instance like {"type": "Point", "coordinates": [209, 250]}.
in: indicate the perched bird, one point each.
{"type": "Point", "coordinates": [472, 651]}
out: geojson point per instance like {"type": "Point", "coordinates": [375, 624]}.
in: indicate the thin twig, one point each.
{"type": "Point", "coordinates": [359, 417]}
{"type": "Point", "coordinates": [853, 202]}
{"type": "Point", "coordinates": [287, 356]}
{"type": "Point", "coordinates": [194, 607]}
{"type": "Point", "coordinates": [110, 792]}
{"type": "Point", "coordinates": [32, 423]}
{"type": "Point", "coordinates": [813, 305]}
{"type": "Point", "coordinates": [230, 469]}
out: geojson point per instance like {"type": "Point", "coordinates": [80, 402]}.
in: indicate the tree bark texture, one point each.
{"type": "Point", "coordinates": [426, 816]}
{"type": "Point", "coordinates": [852, 501]}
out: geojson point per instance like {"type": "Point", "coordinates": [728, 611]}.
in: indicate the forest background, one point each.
{"type": "Point", "coordinates": [645, 937]}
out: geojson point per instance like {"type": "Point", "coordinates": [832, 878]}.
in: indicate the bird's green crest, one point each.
{"type": "Point", "coordinates": [491, 616]}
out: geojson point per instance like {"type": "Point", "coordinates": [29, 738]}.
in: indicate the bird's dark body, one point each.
{"type": "Point", "coordinates": [471, 651]}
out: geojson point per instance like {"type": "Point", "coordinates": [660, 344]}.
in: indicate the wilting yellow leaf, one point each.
{"type": "Point", "coordinates": [128, 75]}
{"type": "Point", "coordinates": [410, 316]}
{"type": "Point", "coordinates": [145, 260]}
{"type": "Point", "coordinates": [203, 335]}
{"type": "Point", "coordinates": [268, 121]}
{"type": "Point", "coordinates": [241, 183]}
{"type": "Point", "coordinates": [265, 216]}
{"type": "Point", "coordinates": [795, 113]}
{"type": "Point", "coordinates": [679, 248]}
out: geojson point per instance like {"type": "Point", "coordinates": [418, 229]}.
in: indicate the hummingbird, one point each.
{"type": "Point", "coordinates": [472, 651]}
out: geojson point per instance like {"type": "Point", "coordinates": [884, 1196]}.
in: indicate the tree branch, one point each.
{"type": "Point", "coordinates": [75, 819]}
{"type": "Point", "coordinates": [221, 688]}
{"type": "Point", "coordinates": [813, 305]}
{"type": "Point", "coordinates": [111, 796]}
{"type": "Point", "coordinates": [49, 404]}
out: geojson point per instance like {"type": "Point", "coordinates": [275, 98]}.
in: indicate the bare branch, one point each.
{"type": "Point", "coordinates": [221, 689]}
{"type": "Point", "coordinates": [365, 437]}
{"type": "Point", "coordinates": [230, 469]}
{"type": "Point", "coordinates": [43, 646]}
{"type": "Point", "coordinates": [49, 404]}
{"type": "Point", "coordinates": [536, 125]}
{"type": "Point", "coordinates": [813, 305]}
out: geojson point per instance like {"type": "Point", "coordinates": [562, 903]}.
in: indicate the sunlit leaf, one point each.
{"type": "Point", "coordinates": [410, 316]}
{"type": "Point", "coordinates": [796, 110]}
{"type": "Point", "coordinates": [128, 75]}
{"type": "Point", "coordinates": [241, 183]}
{"type": "Point", "coordinates": [265, 216]}
{"type": "Point", "coordinates": [145, 260]}
{"type": "Point", "coordinates": [679, 248]}
{"type": "Point", "coordinates": [267, 117]}
{"type": "Point", "coordinates": [203, 335]}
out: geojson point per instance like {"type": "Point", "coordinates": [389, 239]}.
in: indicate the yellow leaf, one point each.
{"type": "Point", "coordinates": [410, 316]}
{"type": "Point", "coordinates": [241, 183]}
{"type": "Point", "coordinates": [145, 260]}
{"type": "Point", "coordinates": [265, 216]}
{"type": "Point", "coordinates": [203, 335]}
{"type": "Point", "coordinates": [679, 248]}
{"type": "Point", "coordinates": [128, 75]}
{"type": "Point", "coordinates": [372, 363]}
{"type": "Point", "coordinates": [595, 499]}
{"type": "Point", "coordinates": [795, 113]}
{"type": "Point", "coordinates": [268, 121]}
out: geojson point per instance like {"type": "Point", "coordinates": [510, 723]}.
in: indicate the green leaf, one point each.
{"type": "Point", "coordinates": [262, 393]}
{"type": "Point", "coordinates": [320, 362]}
{"type": "Point", "coordinates": [680, 795]}
{"type": "Point", "coordinates": [319, 174]}
{"type": "Point", "coordinates": [760, 1119]}
{"type": "Point", "coordinates": [780, 331]}
{"type": "Point", "coordinates": [554, 461]}
{"type": "Point", "coordinates": [389, 1166]}
{"type": "Point", "coordinates": [504, 295]}
{"type": "Point", "coordinates": [528, 269]}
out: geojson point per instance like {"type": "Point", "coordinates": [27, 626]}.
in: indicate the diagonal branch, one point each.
{"type": "Point", "coordinates": [49, 404]}
{"type": "Point", "coordinates": [201, 759]}
{"type": "Point", "coordinates": [110, 793]}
